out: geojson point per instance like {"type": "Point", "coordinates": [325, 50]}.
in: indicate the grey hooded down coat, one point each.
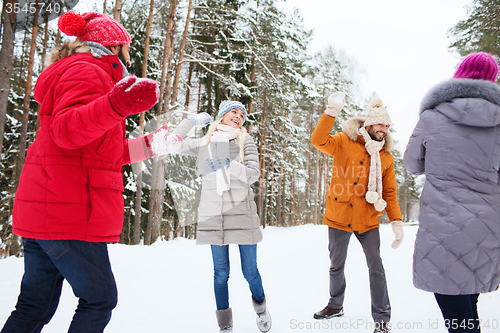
{"type": "Point", "coordinates": [456, 144]}
{"type": "Point", "coordinates": [230, 218]}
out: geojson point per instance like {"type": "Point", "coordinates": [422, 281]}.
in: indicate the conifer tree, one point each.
{"type": "Point", "coordinates": [479, 32]}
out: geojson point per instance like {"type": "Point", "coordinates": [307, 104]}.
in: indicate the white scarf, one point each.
{"type": "Point", "coordinates": [223, 134]}
{"type": "Point", "coordinates": [374, 193]}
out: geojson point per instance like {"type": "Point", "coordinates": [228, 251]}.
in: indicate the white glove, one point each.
{"type": "Point", "coordinates": [335, 104]}
{"type": "Point", "coordinates": [210, 165]}
{"type": "Point", "coordinates": [397, 228]}
{"type": "Point", "coordinates": [200, 119]}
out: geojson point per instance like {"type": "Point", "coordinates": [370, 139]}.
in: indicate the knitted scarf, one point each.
{"type": "Point", "coordinates": [99, 50]}
{"type": "Point", "coordinates": [374, 192]}
{"type": "Point", "coordinates": [222, 135]}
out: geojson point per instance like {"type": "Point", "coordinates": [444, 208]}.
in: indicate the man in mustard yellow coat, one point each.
{"type": "Point", "coordinates": [363, 185]}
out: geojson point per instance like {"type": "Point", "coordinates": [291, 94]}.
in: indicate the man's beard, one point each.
{"type": "Point", "coordinates": [373, 135]}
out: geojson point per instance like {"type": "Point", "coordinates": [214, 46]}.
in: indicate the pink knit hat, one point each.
{"type": "Point", "coordinates": [479, 66]}
{"type": "Point", "coordinates": [94, 27]}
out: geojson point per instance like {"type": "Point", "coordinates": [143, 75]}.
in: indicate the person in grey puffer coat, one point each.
{"type": "Point", "coordinates": [228, 161]}
{"type": "Point", "coordinates": [456, 145]}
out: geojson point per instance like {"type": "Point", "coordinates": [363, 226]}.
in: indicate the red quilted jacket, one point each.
{"type": "Point", "coordinates": [71, 184]}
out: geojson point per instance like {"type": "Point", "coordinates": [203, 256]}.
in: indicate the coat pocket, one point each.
{"type": "Point", "coordinates": [106, 202]}
{"type": "Point", "coordinates": [337, 208]}
{"type": "Point", "coordinates": [106, 179]}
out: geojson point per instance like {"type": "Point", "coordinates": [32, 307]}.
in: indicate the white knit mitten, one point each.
{"type": "Point", "coordinates": [397, 228]}
{"type": "Point", "coordinates": [335, 104]}
{"type": "Point", "coordinates": [200, 119]}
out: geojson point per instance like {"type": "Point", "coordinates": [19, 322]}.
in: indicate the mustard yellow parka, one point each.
{"type": "Point", "coordinates": [346, 206]}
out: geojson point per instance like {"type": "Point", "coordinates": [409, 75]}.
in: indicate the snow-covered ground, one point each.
{"type": "Point", "coordinates": [167, 287]}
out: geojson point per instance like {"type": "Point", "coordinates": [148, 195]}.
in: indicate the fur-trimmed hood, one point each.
{"type": "Point", "coordinates": [77, 46]}
{"type": "Point", "coordinates": [466, 101]}
{"type": "Point", "coordinates": [352, 126]}
{"type": "Point", "coordinates": [65, 50]}
{"type": "Point", "coordinates": [76, 53]}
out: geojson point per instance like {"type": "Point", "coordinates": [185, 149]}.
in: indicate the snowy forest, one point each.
{"type": "Point", "coordinates": [202, 52]}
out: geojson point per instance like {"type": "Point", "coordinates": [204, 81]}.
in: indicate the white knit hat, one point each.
{"type": "Point", "coordinates": [377, 114]}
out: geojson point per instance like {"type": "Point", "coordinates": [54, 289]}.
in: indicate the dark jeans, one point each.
{"type": "Point", "coordinates": [47, 263]}
{"type": "Point", "coordinates": [248, 255]}
{"type": "Point", "coordinates": [370, 242]}
{"type": "Point", "coordinates": [459, 312]}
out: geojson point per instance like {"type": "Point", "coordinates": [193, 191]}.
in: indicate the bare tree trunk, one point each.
{"type": "Point", "coordinates": [165, 89]}
{"type": "Point", "coordinates": [21, 67]}
{"type": "Point", "coordinates": [199, 96]}
{"type": "Point", "coordinates": [146, 42]}
{"type": "Point", "coordinates": [252, 82]}
{"type": "Point", "coordinates": [158, 191]}
{"type": "Point", "coordinates": [44, 53]}
{"type": "Point", "coordinates": [27, 98]}
{"type": "Point", "coordinates": [309, 173]}
{"type": "Point", "coordinates": [104, 7]}
{"type": "Point", "coordinates": [188, 90]}
{"type": "Point", "coordinates": [117, 10]}
{"type": "Point", "coordinates": [158, 176]}
{"type": "Point", "coordinates": [279, 206]}
{"type": "Point", "coordinates": [209, 89]}
{"type": "Point", "coordinates": [45, 38]}
{"type": "Point", "coordinates": [58, 38]}
{"type": "Point", "coordinates": [125, 234]}
{"type": "Point", "coordinates": [270, 166]}
{"type": "Point", "coordinates": [181, 55]}
{"type": "Point", "coordinates": [6, 56]}
{"type": "Point", "coordinates": [136, 237]}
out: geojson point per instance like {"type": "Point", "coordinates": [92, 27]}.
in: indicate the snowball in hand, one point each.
{"type": "Point", "coordinates": [162, 142]}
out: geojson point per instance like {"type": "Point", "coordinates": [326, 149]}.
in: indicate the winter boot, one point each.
{"type": "Point", "coordinates": [328, 313]}
{"type": "Point", "coordinates": [263, 316]}
{"type": "Point", "coordinates": [225, 320]}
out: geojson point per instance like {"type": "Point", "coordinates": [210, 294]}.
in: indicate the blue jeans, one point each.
{"type": "Point", "coordinates": [459, 312]}
{"type": "Point", "coordinates": [47, 263]}
{"type": "Point", "coordinates": [248, 254]}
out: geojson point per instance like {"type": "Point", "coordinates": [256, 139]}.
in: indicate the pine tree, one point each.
{"type": "Point", "coordinates": [246, 50]}
{"type": "Point", "coordinates": [479, 32]}
{"type": "Point", "coordinates": [408, 189]}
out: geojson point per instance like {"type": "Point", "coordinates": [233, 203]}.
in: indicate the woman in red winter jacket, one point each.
{"type": "Point", "coordinates": [69, 201]}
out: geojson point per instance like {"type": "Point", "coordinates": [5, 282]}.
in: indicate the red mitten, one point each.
{"type": "Point", "coordinates": [133, 95]}
{"type": "Point", "coordinates": [156, 143]}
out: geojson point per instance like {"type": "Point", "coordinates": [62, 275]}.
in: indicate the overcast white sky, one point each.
{"type": "Point", "coordinates": [402, 45]}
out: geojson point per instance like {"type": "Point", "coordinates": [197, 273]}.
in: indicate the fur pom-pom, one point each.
{"type": "Point", "coordinates": [71, 23]}
{"type": "Point", "coordinates": [376, 103]}
{"type": "Point", "coordinates": [380, 205]}
{"type": "Point", "coordinates": [372, 197]}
